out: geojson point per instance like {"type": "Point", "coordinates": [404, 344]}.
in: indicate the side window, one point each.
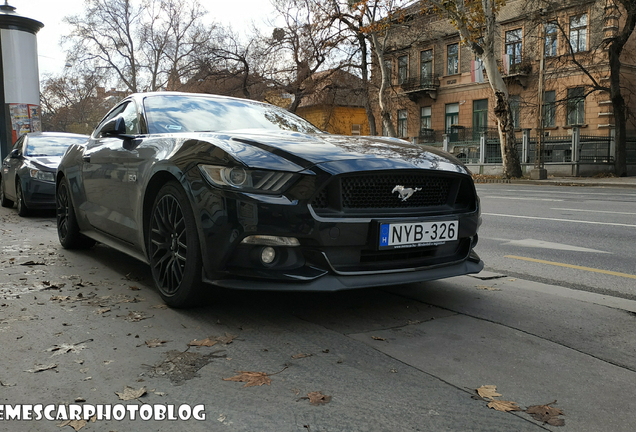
{"type": "Point", "coordinates": [129, 111]}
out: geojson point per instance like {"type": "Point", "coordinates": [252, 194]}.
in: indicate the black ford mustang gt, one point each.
{"type": "Point", "coordinates": [241, 194]}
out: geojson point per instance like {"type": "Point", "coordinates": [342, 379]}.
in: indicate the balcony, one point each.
{"type": "Point", "coordinates": [418, 87]}
{"type": "Point", "coordinates": [518, 72]}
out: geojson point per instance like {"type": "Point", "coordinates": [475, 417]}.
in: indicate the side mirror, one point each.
{"type": "Point", "coordinates": [114, 127]}
{"type": "Point", "coordinates": [15, 153]}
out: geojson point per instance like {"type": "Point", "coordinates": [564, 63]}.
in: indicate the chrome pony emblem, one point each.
{"type": "Point", "coordinates": [405, 193]}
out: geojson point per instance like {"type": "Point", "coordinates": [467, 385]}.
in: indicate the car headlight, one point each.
{"type": "Point", "coordinates": [42, 175]}
{"type": "Point", "coordinates": [246, 180]}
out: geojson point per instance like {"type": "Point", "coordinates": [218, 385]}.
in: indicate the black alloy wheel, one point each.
{"type": "Point", "coordinates": [67, 228]}
{"type": "Point", "coordinates": [173, 247]}
{"type": "Point", "coordinates": [23, 210]}
{"type": "Point", "coordinates": [4, 201]}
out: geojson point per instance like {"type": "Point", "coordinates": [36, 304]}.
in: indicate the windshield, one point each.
{"type": "Point", "coordinates": [51, 145]}
{"type": "Point", "coordinates": [183, 113]}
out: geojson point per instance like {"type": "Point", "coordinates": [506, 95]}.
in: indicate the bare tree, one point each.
{"type": "Point", "coordinates": [476, 22]}
{"type": "Point", "coordinates": [145, 44]}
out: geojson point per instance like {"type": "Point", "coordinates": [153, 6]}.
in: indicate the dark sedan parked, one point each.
{"type": "Point", "coordinates": [245, 195]}
{"type": "Point", "coordinates": [28, 172]}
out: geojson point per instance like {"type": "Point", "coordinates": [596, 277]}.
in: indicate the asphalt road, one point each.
{"type": "Point", "coordinates": [78, 327]}
{"type": "Point", "coordinates": [579, 237]}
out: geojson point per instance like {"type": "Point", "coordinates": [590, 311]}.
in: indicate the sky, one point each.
{"type": "Point", "coordinates": [51, 59]}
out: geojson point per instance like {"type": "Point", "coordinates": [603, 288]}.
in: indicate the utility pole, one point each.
{"type": "Point", "coordinates": [539, 172]}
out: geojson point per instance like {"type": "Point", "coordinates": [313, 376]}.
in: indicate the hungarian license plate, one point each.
{"type": "Point", "coordinates": [413, 234]}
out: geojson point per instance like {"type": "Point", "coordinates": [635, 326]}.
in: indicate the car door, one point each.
{"type": "Point", "coordinates": [105, 177]}
{"type": "Point", "coordinates": [11, 165]}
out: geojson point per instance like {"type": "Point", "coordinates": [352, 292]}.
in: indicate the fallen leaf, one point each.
{"type": "Point", "coordinates": [378, 338]}
{"type": "Point", "coordinates": [59, 298]}
{"type": "Point", "coordinates": [504, 406]}
{"type": "Point", "coordinates": [7, 384]}
{"type": "Point", "coordinates": [65, 348]}
{"type": "Point", "coordinates": [134, 288]}
{"type": "Point", "coordinates": [32, 263]}
{"type": "Point", "coordinates": [546, 414]}
{"type": "Point", "coordinates": [154, 343]}
{"type": "Point", "coordinates": [317, 398]}
{"type": "Point", "coordinates": [250, 378]}
{"type": "Point", "coordinates": [75, 424]}
{"type": "Point", "coordinates": [159, 306]}
{"type": "Point", "coordinates": [488, 392]}
{"type": "Point", "coordinates": [102, 311]}
{"type": "Point", "coordinates": [40, 368]}
{"type": "Point", "coordinates": [227, 339]}
{"type": "Point", "coordinates": [301, 355]}
{"type": "Point", "coordinates": [130, 393]}
{"type": "Point", "coordinates": [135, 316]}
{"type": "Point", "coordinates": [203, 342]}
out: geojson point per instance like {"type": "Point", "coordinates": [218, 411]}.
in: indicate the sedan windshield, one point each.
{"type": "Point", "coordinates": [181, 113]}
{"type": "Point", "coordinates": [51, 145]}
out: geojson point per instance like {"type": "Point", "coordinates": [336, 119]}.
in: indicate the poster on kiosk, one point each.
{"type": "Point", "coordinates": [20, 80]}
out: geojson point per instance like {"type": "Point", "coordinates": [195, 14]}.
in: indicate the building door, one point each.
{"type": "Point", "coordinates": [480, 117]}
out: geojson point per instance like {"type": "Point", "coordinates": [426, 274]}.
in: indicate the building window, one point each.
{"type": "Point", "coordinates": [452, 116]}
{"type": "Point", "coordinates": [401, 125]}
{"type": "Point", "coordinates": [578, 33]}
{"type": "Point", "coordinates": [426, 67]}
{"type": "Point", "coordinates": [551, 30]}
{"type": "Point", "coordinates": [355, 129]}
{"type": "Point", "coordinates": [452, 59]}
{"type": "Point", "coordinates": [513, 47]}
{"type": "Point", "coordinates": [403, 69]}
{"type": "Point", "coordinates": [549, 108]}
{"type": "Point", "coordinates": [388, 64]}
{"type": "Point", "coordinates": [514, 108]}
{"type": "Point", "coordinates": [425, 118]}
{"type": "Point", "coordinates": [480, 116]}
{"type": "Point", "coordinates": [576, 106]}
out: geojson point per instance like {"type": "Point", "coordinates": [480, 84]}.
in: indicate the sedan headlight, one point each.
{"type": "Point", "coordinates": [42, 175]}
{"type": "Point", "coordinates": [245, 180]}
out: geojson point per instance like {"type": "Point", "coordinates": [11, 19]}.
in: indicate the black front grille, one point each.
{"type": "Point", "coordinates": [382, 191]}
{"type": "Point", "coordinates": [387, 193]}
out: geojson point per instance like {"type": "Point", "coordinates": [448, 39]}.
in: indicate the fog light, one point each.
{"type": "Point", "coordinates": [268, 254]}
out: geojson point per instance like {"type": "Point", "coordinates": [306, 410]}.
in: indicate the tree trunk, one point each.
{"type": "Point", "coordinates": [364, 66]}
{"type": "Point", "coordinates": [505, 123]}
{"type": "Point", "coordinates": [378, 49]}
{"type": "Point", "coordinates": [620, 113]}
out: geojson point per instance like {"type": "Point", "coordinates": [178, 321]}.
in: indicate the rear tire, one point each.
{"type": "Point", "coordinates": [23, 210]}
{"type": "Point", "coordinates": [4, 201]}
{"type": "Point", "coordinates": [174, 249]}
{"type": "Point", "coordinates": [67, 228]}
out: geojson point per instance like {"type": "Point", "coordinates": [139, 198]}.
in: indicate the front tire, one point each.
{"type": "Point", "coordinates": [23, 210]}
{"type": "Point", "coordinates": [67, 228]}
{"type": "Point", "coordinates": [4, 201]}
{"type": "Point", "coordinates": [174, 249]}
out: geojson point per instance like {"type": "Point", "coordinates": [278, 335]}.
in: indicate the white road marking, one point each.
{"type": "Point", "coordinates": [547, 245]}
{"type": "Point", "coordinates": [560, 220]}
{"type": "Point", "coordinates": [567, 193]}
{"type": "Point", "coordinates": [594, 211]}
{"type": "Point", "coordinates": [519, 198]}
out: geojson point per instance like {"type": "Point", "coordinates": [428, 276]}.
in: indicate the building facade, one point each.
{"type": "Point", "coordinates": [438, 87]}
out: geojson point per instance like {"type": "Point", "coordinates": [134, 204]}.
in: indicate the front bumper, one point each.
{"type": "Point", "coordinates": [334, 253]}
{"type": "Point", "coordinates": [38, 194]}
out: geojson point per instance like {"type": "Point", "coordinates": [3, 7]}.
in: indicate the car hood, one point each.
{"type": "Point", "coordinates": [48, 162]}
{"type": "Point", "coordinates": [298, 151]}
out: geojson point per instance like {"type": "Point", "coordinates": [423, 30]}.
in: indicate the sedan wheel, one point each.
{"type": "Point", "coordinates": [173, 247]}
{"type": "Point", "coordinates": [67, 228]}
{"type": "Point", "coordinates": [4, 201]}
{"type": "Point", "coordinates": [23, 210]}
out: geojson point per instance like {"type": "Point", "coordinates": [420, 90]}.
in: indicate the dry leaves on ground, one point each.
{"type": "Point", "coordinates": [131, 393]}
{"type": "Point", "coordinates": [154, 343]}
{"type": "Point", "coordinates": [136, 316]}
{"type": "Point", "coordinates": [378, 338]}
{"type": "Point", "coordinates": [211, 340]}
{"type": "Point", "coordinates": [301, 355]}
{"type": "Point", "coordinates": [317, 398]}
{"type": "Point", "coordinates": [505, 406]}
{"type": "Point", "coordinates": [546, 414]}
{"type": "Point", "coordinates": [75, 424]}
{"type": "Point", "coordinates": [487, 288]}
{"type": "Point", "coordinates": [250, 378]}
{"type": "Point", "coordinates": [488, 392]}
